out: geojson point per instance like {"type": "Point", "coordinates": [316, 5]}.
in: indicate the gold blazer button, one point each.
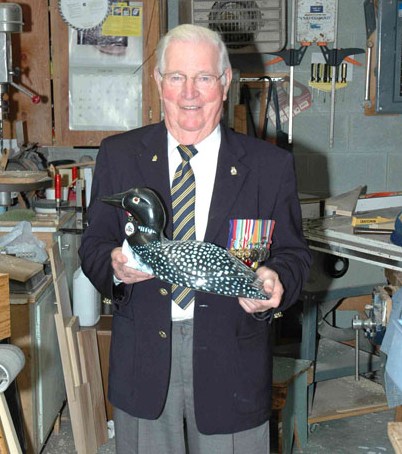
{"type": "Point", "coordinates": [162, 334]}
{"type": "Point", "coordinates": [163, 291]}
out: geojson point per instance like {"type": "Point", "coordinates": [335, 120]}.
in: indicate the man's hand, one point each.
{"type": "Point", "coordinates": [125, 273]}
{"type": "Point", "coordinates": [271, 285]}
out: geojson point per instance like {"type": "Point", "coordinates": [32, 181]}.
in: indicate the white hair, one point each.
{"type": "Point", "coordinates": [195, 34]}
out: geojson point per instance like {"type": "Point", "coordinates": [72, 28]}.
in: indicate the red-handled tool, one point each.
{"type": "Point", "coordinates": [74, 175]}
{"type": "Point", "coordinates": [57, 191]}
{"type": "Point", "coordinates": [36, 99]}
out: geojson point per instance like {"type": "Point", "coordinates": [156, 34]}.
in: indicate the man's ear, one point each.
{"type": "Point", "coordinates": [158, 80]}
{"type": "Point", "coordinates": [228, 81]}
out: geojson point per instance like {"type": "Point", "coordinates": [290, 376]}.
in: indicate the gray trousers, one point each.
{"type": "Point", "coordinates": [175, 431]}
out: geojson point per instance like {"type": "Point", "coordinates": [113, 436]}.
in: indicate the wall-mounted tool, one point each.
{"type": "Point", "coordinates": [315, 22]}
{"type": "Point", "coordinates": [10, 22]}
{"type": "Point", "coordinates": [84, 15]}
{"type": "Point", "coordinates": [322, 75]}
{"type": "Point", "coordinates": [292, 57]}
{"type": "Point", "coordinates": [370, 18]}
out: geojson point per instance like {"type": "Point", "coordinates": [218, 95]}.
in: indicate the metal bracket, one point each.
{"type": "Point", "coordinates": [334, 57]}
{"type": "Point", "coordinates": [292, 57]}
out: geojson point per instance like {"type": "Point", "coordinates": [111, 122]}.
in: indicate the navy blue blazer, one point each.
{"type": "Point", "coordinates": [232, 350]}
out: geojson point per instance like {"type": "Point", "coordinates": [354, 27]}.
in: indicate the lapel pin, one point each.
{"type": "Point", "coordinates": [233, 170]}
{"type": "Point", "coordinates": [154, 158]}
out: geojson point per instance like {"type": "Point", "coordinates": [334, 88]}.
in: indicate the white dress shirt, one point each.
{"type": "Point", "coordinates": [204, 167]}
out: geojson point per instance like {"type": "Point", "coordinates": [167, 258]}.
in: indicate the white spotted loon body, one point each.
{"type": "Point", "coordinates": [195, 264]}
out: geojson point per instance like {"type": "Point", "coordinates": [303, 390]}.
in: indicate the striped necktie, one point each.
{"type": "Point", "coordinates": [183, 203]}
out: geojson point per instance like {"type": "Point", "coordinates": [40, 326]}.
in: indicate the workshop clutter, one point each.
{"type": "Point", "coordinates": [79, 354]}
{"type": "Point", "coordinates": [21, 242]}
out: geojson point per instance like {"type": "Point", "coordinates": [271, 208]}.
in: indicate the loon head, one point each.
{"type": "Point", "coordinates": [147, 210]}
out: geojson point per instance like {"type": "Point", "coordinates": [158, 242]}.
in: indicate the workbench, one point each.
{"type": "Point", "coordinates": [334, 235]}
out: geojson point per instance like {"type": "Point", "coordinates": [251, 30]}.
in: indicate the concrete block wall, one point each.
{"type": "Point", "coordinates": [367, 149]}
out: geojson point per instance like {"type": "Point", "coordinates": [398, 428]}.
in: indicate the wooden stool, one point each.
{"type": "Point", "coordinates": [291, 378]}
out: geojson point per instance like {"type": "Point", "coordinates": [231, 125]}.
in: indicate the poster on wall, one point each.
{"type": "Point", "coordinates": [105, 71]}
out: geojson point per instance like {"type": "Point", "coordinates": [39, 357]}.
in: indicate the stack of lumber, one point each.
{"type": "Point", "coordinates": [81, 367]}
{"type": "Point", "coordinates": [395, 436]}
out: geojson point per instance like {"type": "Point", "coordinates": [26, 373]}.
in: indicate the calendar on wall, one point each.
{"type": "Point", "coordinates": [105, 72]}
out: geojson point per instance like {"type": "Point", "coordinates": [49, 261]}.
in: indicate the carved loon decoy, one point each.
{"type": "Point", "coordinates": [195, 264]}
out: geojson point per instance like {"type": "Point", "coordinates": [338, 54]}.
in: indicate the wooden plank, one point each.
{"type": "Point", "coordinates": [63, 295]}
{"type": "Point", "coordinates": [398, 413]}
{"type": "Point", "coordinates": [18, 268]}
{"type": "Point", "coordinates": [72, 327]}
{"type": "Point", "coordinates": [63, 300]}
{"type": "Point", "coordinates": [65, 358]}
{"type": "Point", "coordinates": [354, 303]}
{"type": "Point", "coordinates": [8, 427]}
{"type": "Point", "coordinates": [91, 373]}
{"type": "Point", "coordinates": [82, 420]}
{"type": "Point", "coordinates": [104, 332]}
{"type": "Point", "coordinates": [151, 110]}
{"type": "Point", "coordinates": [5, 318]}
{"type": "Point", "coordinates": [78, 393]}
{"type": "Point", "coordinates": [21, 177]}
{"type": "Point", "coordinates": [395, 436]}
{"type": "Point", "coordinates": [31, 54]}
{"type": "Point", "coordinates": [3, 442]}
{"type": "Point", "coordinates": [78, 397]}
{"type": "Point", "coordinates": [240, 118]}
{"type": "Point", "coordinates": [55, 260]}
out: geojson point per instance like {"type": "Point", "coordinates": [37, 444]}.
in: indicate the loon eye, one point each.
{"type": "Point", "coordinates": [136, 200]}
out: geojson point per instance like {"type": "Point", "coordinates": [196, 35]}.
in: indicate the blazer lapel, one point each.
{"type": "Point", "coordinates": [230, 175]}
{"type": "Point", "coordinates": [154, 167]}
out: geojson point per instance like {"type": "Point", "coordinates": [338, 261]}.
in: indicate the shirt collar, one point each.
{"type": "Point", "coordinates": [213, 138]}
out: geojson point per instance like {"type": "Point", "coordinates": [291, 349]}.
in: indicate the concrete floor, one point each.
{"type": "Point", "coordinates": [365, 434]}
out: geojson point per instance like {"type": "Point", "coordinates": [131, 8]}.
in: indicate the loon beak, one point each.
{"type": "Point", "coordinates": [115, 200]}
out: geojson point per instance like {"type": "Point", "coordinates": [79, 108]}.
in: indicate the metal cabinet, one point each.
{"type": "Point", "coordinates": [41, 382]}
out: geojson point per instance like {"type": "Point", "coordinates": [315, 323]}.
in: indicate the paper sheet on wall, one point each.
{"type": "Point", "coordinates": [105, 72]}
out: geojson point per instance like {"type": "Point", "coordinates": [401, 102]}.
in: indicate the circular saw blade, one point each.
{"type": "Point", "coordinates": [84, 14]}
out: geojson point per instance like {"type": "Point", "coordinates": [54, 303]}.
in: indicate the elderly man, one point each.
{"type": "Point", "coordinates": [191, 372]}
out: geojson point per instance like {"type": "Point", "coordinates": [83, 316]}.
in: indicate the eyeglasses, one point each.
{"type": "Point", "coordinates": [201, 82]}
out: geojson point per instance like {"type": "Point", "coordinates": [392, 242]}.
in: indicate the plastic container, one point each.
{"type": "Point", "coordinates": [86, 299]}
